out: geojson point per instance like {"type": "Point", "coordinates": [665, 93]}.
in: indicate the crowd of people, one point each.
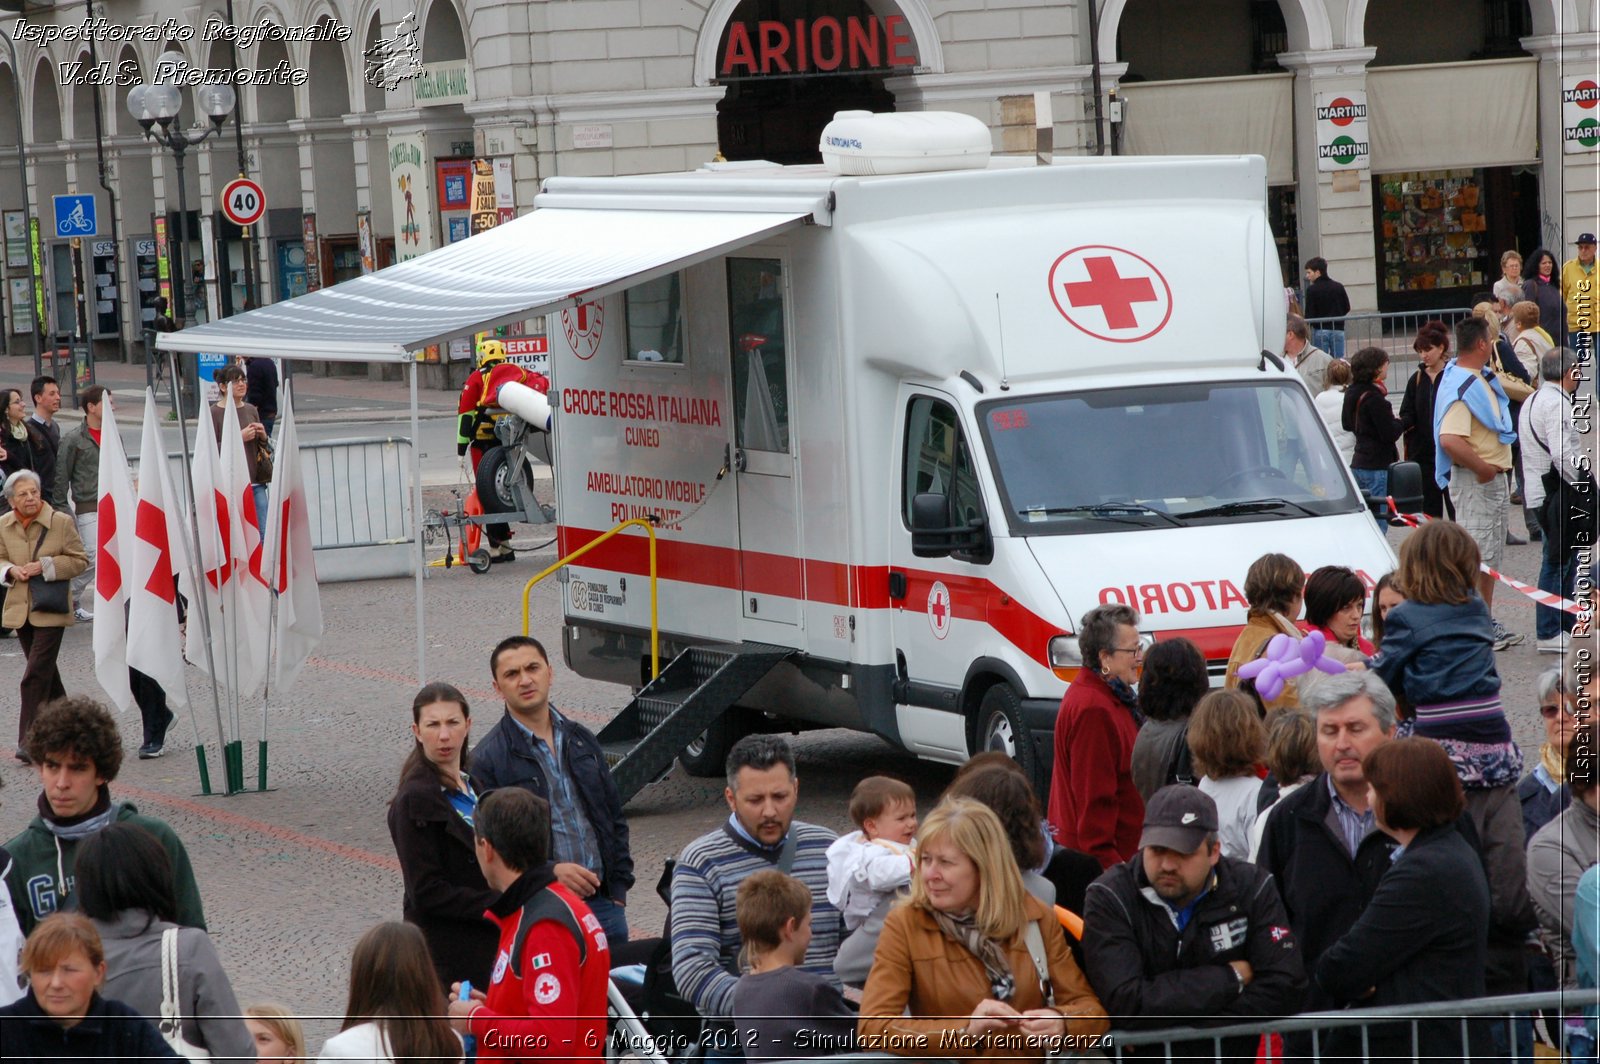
{"type": "Point", "coordinates": [1367, 837]}
{"type": "Point", "coordinates": [1492, 427]}
{"type": "Point", "coordinates": [1364, 833]}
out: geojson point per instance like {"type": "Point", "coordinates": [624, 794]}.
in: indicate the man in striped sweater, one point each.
{"type": "Point", "coordinates": [760, 833]}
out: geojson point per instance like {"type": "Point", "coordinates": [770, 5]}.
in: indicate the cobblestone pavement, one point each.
{"type": "Point", "coordinates": [291, 877]}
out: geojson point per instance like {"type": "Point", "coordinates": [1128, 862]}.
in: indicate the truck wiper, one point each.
{"type": "Point", "coordinates": [1249, 506]}
{"type": "Point", "coordinates": [1107, 510]}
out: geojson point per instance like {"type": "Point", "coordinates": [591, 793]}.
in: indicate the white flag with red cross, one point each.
{"type": "Point", "coordinates": [213, 531]}
{"type": "Point", "coordinates": [289, 553]}
{"type": "Point", "coordinates": [113, 545]}
{"type": "Point", "coordinates": [153, 575]}
{"type": "Point", "coordinates": [247, 603]}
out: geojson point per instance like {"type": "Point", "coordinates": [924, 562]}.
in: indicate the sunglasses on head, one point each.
{"type": "Point", "coordinates": [1551, 711]}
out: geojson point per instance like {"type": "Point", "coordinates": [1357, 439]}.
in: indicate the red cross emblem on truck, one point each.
{"type": "Point", "coordinates": [1110, 293]}
{"type": "Point", "coordinates": [939, 609]}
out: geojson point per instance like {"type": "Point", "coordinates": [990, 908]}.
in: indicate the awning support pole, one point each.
{"type": "Point", "coordinates": [419, 564]}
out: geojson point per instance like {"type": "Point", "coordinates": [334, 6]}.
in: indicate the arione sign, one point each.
{"type": "Point", "coordinates": [1342, 141]}
{"type": "Point", "coordinates": [819, 45]}
{"type": "Point", "coordinates": [1580, 114]}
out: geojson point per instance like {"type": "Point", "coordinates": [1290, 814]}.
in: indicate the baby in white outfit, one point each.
{"type": "Point", "coordinates": [869, 866]}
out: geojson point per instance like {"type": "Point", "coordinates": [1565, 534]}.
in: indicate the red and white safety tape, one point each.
{"type": "Point", "coordinates": [1543, 598]}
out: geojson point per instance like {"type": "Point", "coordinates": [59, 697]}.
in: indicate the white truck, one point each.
{"type": "Point", "coordinates": [900, 432]}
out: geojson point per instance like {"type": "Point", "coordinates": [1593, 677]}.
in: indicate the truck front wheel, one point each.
{"type": "Point", "coordinates": [1001, 728]}
{"type": "Point", "coordinates": [707, 756]}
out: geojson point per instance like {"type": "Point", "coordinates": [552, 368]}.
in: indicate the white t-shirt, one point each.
{"type": "Point", "coordinates": [1236, 811]}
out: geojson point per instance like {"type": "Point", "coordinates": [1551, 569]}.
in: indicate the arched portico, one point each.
{"type": "Point", "coordinates": [1307, 21]}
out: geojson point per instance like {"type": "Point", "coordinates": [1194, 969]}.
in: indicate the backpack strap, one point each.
{"type": "Point", "coordinates": [546, 905]}
{"type": "Point", "coordinates": [786, 856]}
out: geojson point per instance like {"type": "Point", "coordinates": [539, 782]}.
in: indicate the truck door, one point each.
{"type": "Point", "coordinates": [771, 576]}
{"type": "Point", "coordinates": [938, 617]}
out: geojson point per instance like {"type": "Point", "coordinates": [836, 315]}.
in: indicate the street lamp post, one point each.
{"type": "Point", "coordinates": [27, 209]}
{"type": "Point", "coordinates": [157, 105]}
{"type": "Point", "coordinates": [152, 106]}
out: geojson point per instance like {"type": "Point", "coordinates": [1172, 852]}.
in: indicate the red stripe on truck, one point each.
{"type": "Point", "coordinates": [865, 587]}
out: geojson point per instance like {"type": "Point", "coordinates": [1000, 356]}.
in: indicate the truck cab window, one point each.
{"type": "Point", "coordinates": [756, 325]}
{"type": "Point", "coordinates": [938, 460]}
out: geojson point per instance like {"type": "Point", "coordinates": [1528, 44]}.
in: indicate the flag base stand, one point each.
{"type": "Point", "coordinates": [205, 770]}
{"type": "Point", "coordinates": [233, 759]}
{"type": "Point", "coordinates": [261, 765]}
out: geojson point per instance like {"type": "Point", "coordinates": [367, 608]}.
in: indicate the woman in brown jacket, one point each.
{"type": "Point", "coordinates": [37, 544]}
{"type": "Point", "coordinates": [955, 973]}
{"type": "Point", "coordinates": [1275, 588]}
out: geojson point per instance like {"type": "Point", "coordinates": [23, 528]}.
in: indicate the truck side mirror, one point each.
{"type": "Point", "coordinates": [933, 535]}
{"type": "Point", "coordinates": [1405, 486]}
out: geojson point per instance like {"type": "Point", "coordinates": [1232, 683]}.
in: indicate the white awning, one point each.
{"type": "Point", "coordinates": [1443, 116]}
{"type": "Point", "coordinates": [546, 260]}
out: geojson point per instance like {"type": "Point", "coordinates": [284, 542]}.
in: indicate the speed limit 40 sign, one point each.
{"type": "Point", "coordinates": [243, 202]}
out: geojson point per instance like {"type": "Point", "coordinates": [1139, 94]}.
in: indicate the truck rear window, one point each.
{"type": "Point", "coordinates": [1163, 455]}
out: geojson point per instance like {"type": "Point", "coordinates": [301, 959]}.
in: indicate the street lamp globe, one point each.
{"type": "Point", "coordinates": [163, 102]}
{"type": "Point", "coordinates": [139, 105]}
{"type": "Point", "coordinates": [170, 66]}
{"type": "Point", "coordinates": [216, 101]}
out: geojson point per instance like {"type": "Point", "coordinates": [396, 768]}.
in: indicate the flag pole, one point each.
{"type": "Point", "coordinates": [191, 548]}
{"type": "Point", "coordinates": [272, 583]}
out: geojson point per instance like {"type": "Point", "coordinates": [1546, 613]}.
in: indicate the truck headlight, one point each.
{"type": "Point", "coordinates": [1065, 657]}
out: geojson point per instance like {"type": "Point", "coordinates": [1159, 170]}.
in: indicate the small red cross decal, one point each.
{"type": "Point", "coordinates": [939, 611]}
{"type": "Point", "coordinates": [1111, 292]}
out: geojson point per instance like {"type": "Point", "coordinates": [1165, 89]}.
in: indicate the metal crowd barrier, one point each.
{"type": "Point", "coordinates": [358, 493]}
{"type": "Point", "coordinates": [358, 500]}
{"type": "Point", "coordinates": [1394, 333]}
{"type": "Point", "coordinates": [1186, 1043]}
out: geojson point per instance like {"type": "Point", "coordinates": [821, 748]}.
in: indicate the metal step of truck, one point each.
{"type": "Point", "coordinates": [692, 692]}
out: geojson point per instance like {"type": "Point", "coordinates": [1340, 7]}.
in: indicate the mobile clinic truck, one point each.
{"type": "Point", "coordinates": [901, 431]}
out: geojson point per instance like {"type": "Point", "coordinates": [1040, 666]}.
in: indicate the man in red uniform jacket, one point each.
{"type": "Point", "coordinates": [547, 992]}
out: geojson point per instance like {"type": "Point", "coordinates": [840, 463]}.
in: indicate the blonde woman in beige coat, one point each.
{"type": "Point", "coordinates": [37, 543]}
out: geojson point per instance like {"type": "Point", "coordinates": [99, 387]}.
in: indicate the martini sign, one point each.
{"type": "Point", "coordinates": [1580, 114]}
{"type": "Point", "coordinates": [1342, 142]}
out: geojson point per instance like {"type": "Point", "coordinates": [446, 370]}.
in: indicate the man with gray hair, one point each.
{"type": "Point", "coordinates": [1322, 843]}
{"type": "Point", "coordinates": [1557, 475]}
{"type": "Point", "coordinates": [760, 833]}
{"type": "Point", "coordinates": [1308, 360]}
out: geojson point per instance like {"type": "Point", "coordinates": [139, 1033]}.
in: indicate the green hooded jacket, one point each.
{"type": "Point", "coordinates": [40, 863]}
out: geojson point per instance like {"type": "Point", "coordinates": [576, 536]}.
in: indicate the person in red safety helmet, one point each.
{"type": "Point", "coordinates": [477, 412]}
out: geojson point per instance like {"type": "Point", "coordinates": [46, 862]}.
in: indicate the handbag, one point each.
{"type": "Point", "coordinates": [48, 596]}
{"type": "Point", "coordinates": [171, 1025]}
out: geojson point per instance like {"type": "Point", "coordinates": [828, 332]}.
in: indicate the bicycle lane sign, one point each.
{"type": "Point", "coordinates": [75, 216]}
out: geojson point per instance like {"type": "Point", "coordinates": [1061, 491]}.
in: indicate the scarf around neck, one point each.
{"type": "Point", "coordinates": [1492, 409]}
{"type": "Point", "coordinates": [963, 930]}
{"type": "Point", "coordinates": [82, 826]}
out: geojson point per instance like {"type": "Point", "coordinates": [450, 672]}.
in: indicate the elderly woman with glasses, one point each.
{"type": "Point", "coordinates": [40, 553]}
{"type": "Point", "coordinates": [1094, 804]}
{"type": "Point", "coordinates": [1543, 791]}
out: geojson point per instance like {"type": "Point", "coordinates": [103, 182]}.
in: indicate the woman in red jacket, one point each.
{"type": "Point", "coordinates": [1094, 805]}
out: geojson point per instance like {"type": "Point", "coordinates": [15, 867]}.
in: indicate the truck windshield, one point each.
{"type": "Point", "coordinates": [1161, 456]}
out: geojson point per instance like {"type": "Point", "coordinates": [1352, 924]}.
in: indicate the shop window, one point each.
{"type": "Point", "coordinates": [655, 321]}
{"type": "Point", "coordinates": [1434, 232]}
{"type": "Point", "coordinates": [757, 331]}
{"type": "Point", "coordinates": [1269, 36]}
{"type": "Point", "coordinates": [1506, 22]}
